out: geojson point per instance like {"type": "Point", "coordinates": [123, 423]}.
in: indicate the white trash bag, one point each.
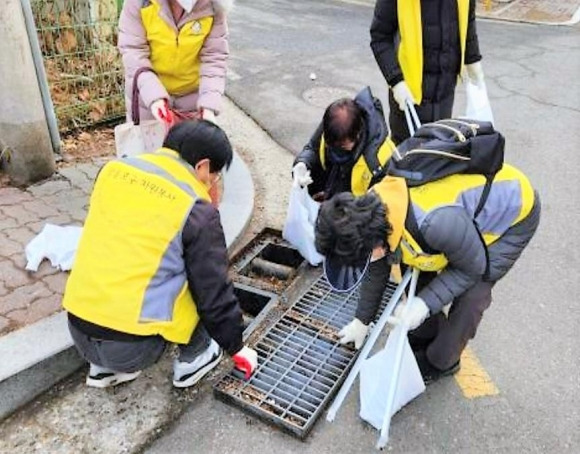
{"type": "Point", "coordinates": [135, 136]}
{"type": "Point", "coordinates": [55, 243]}
{"type": "Point", "coordinates": [478, 106]}
{"type": "Point", "coordinates": [300, 221]}
{"type": "Point", "coordinates": [376, 373]}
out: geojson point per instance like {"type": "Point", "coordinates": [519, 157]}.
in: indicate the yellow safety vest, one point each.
{"type": "Point", "coordinates": [361, 175]}
{"type": "Point", "coordinates": [175, 55]}
{"type": "Point", "coordinates": [410, 54]}
{"type": "Point", "coordinates": [510, 200]}
{"type": "Point", "coordinates": [129, 274]}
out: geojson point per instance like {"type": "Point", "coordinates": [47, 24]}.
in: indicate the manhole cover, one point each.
{"type": "Point", "coordinates": [323, 96]}
{"type": "Point", "coordinates": [301, 364]}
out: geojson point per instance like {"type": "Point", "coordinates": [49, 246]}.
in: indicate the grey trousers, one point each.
{"type": "Point", "coordinates": [131, 356]}
{"type": "Point", "coordinates": [447, 336]}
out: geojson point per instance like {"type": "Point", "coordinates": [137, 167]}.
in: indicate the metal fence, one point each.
{"type": "Point", "coordinates": [78, 42]}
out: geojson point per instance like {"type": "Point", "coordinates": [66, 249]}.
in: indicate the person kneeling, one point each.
{"type": "Point", "coordinates": [348, 150]}
{"type": "Point", "coordinates": [151, 265]}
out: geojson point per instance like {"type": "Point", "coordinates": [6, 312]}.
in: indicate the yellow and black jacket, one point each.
{"type": "Point", "coordinates": [152, 258]}
{"type": "Point", "coordinates": [369, 157]}
{"type": "Point", "coordinates": [426, 43]}
{"type": "Point", "coordinates": [459, 245]}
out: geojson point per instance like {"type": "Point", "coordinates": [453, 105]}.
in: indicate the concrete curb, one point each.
{"type": "Point", "coordinates": [38, 356]}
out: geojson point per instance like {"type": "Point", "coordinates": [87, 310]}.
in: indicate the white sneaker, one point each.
{"type": "Point", "coordinates": [101, 377]}
{"type": "Point", "coordinates": [188, 374]}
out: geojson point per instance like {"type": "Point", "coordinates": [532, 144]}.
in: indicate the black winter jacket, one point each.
{"type": "Point", "coordinates": [441, 46]}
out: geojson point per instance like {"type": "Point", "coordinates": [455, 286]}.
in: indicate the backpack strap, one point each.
{"type": "Point", "coordinates": [413, 228]}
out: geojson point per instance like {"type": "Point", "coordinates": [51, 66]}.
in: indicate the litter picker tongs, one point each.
{"type": "Point", "coordinates": [409, 279]}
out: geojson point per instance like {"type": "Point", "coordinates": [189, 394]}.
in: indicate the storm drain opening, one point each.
{"type": "Point", "coordinates": [301, 365]}
{"type": "Point", "coordinates": [255, 305]}
{"type": "Point", "coordinates": [267, 262]}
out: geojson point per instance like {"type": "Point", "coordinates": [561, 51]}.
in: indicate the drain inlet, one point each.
{"type": "Point", "coordinates": [301, 364]}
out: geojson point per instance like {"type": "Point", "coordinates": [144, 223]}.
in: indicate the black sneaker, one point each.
{"type": "Point", "coordinates": [429, 372]}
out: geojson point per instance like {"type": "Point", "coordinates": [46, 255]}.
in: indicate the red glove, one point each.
{"type": "Point", "coordinates": [246, 360]}
{"type": "Point", "coordinates": [161, 111]}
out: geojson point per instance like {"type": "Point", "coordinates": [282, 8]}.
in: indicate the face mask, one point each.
{"type": "Point", "coordinates": [340, 155]}
{"type": "Point", "coordinates": [187, 5]}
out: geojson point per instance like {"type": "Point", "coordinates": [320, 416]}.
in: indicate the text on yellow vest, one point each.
{"type": "Point", "coordinates": [129, 273]}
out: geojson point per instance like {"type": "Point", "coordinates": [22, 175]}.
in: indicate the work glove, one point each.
{"type": "Point", "coordinates": [402, 94]}
{"type": "Point", "coordinates": [246, 360]}
{"type": "Point", "coordinates": [475, 73]}
{"type": "Point", "coordinates": [355, 331]}
{"type": "Point", "coordinates": [161, 112]}
{"type": "Point", "coordinates": [208, 114]}
{"type": "Point", "coordinates": [412, 313]}
{"type": "Point", "coordinates": [301, 175]}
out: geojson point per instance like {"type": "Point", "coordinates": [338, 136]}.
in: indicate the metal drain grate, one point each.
{"type": "Point", "coordinates": [301, 363]}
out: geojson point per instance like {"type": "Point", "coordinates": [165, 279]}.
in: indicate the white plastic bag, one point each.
{"type": "Point", "coordinates": [135, 136]}
{"type": "Point", "coordinates": [478, 106]}
{"type": "Point", "coordinates": [377, 371]}
{"type": "Point", "coordinates": [56, 243]}
{"type": "Point", "coordinates": [299, 226]}
{"type": "Point", "coordinates": [146, 137]}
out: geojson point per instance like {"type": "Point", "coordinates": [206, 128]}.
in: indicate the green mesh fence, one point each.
{"type": "Point", "coordinates": [83, 66]}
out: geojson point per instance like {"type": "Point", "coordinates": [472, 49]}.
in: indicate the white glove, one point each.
{"type": "Point", "coordinates": [161, 112]}
{"type": "Point", "coordinates": [402, 94]}
{"type": "Point", "coordinates": [246, 360]}
{"type": "Point", "coordinates": [413, 313]}
{"type": "Point", "coordinates": [301, 175]}
{"type": "Point", "coordinates": [355, 331]}
{"type": "Point", "coordinates": [208, 114]}
{"type": "Point", "coordinates": [475, 73]}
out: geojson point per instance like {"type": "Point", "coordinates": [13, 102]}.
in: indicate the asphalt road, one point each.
{"type": "Point", "coordinates": [528, 340]}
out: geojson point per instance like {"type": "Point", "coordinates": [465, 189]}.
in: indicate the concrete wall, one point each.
{"type": "Point", "coordinates": [23, 127]}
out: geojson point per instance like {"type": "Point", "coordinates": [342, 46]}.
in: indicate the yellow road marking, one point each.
{"type": "Point", "coordinates": [472, 379]}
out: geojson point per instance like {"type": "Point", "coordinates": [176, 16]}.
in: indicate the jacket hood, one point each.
{"type": "Point", "coordinates": [376, 127]}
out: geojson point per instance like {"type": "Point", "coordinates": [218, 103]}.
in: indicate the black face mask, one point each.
{"type": "Point", "coordinates": [339, 155]}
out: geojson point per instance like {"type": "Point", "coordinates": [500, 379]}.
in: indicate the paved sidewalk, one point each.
{"type": "Point", "coordinates": [26, 297]}
{"type": "Point", "coordinates": [552, 12]}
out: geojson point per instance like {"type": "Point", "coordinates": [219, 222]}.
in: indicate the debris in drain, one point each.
{"type": "Point", "coordinates": [267, 262]}
{"type": "Point", "coordinates": [322, 327]}
{"type": "Point", "coordinates": [301, 363]}
{"type": "Point", "coordinates": [267, 268]}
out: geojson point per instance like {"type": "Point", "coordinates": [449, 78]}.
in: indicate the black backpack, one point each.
{"type": "Point", "coordinates": [448, 147]}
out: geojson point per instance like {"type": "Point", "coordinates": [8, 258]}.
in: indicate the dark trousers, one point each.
{"type": "Point", "coordinates": [427, 112]}
{"type": "Point", "coordinates": [131, 356]}
{"type": "Point", "coordinates": [447, 336]}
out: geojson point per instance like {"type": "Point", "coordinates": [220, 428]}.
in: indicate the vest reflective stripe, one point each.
{"type": "Point", "coordinates": [174, 54]}
{"type": "Point", "coordinates": [139, 286]}
{"type": "Point", "coordinates": [361, 175]}
{"type": "Point", "coordinates": [510, 200]}
{"type": "Point", "coordinates": [410, 53]}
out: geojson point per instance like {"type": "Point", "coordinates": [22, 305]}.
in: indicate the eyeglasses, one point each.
{"type": "Point", "coordinates": [217, 178]}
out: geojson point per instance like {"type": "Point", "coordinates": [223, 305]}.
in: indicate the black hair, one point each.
{"type": "Point", "coordinates": [195, 140]}
{"type": "Point", "coordinates": [350, 227]}
{"type": "Point", "coordinates": [342, 120]}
